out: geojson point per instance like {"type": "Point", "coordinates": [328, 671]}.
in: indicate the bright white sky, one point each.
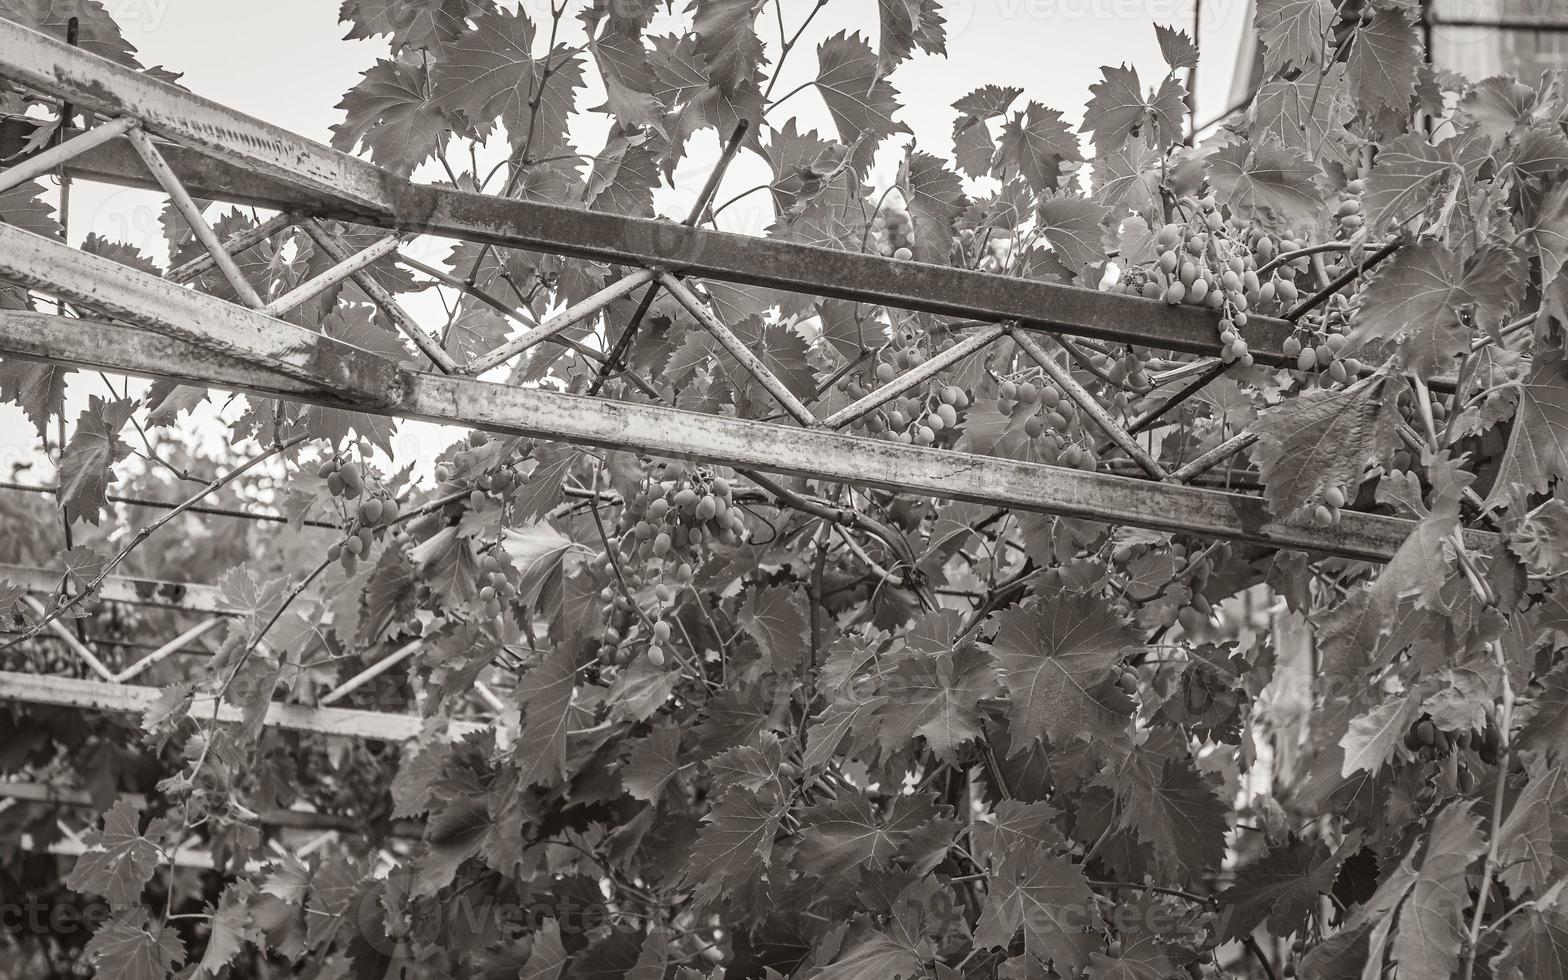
{"type": "Point", "coordinates": [284, 61]}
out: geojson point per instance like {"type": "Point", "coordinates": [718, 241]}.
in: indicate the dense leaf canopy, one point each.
{"type": "Point", "coordinates": [750, 727]}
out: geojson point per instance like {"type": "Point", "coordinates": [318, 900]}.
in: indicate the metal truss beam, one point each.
{"type": "Point", "coordinates": [188, 596]}
{"type": "Point", "coordinates": [71, 692]}
{"type": "Point", "coordinates": [770, 447]}
{"type": "Point", "coordinates": [29, 792]}
{"type": "Point", "coordinates": [264, 161]}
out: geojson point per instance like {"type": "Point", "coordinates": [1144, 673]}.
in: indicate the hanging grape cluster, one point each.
{"type": "Point", "coordinates": [369, 508]}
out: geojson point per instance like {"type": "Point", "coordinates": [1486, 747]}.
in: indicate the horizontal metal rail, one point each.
{"type": "Point", "coordinates": [135, 699]}
{"type": "Point", "coordinates": [188, 596]}
{"type": "Point", "coordinates": [269, 165]}
{"type": "Point", "coordinates": [30, 792]}
{"type": "Point", "coordinates": [770, 447]}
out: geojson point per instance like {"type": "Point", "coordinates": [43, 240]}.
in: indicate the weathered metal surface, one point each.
{"type": "Point", "coordinates": [773, 448]}
{"type": "Point", "coordinates": [158, 305]}
{"type": "Point", "coordinates": [135, 699]}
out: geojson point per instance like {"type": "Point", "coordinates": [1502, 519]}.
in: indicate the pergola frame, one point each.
{"type": "Point", "coordinates": [173, 332]}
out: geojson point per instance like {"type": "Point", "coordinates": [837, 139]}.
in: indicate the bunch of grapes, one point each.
{"type": "Point", "coordinates": [1204, 261]}
{"type": "Point", "coordinates": [670, 525]}
{"type": "Point", "coordinates": [1326, 514]}
{"type": "Point", "coordinates": [492, 478]}
{"type": "Point", "coordinates": [374, 509]}
{"type": "Point", "coordinates": [500, 582]}
{"type": "Point", "coordinates": [1049, 420]}
{"type": "Point", "coordinates": [894, 231]}
{"type": "Point", "coordinates": [1352, 211]}
{"type": "Point", "coordinates": [919, 419]}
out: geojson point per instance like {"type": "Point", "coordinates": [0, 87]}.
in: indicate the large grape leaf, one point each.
{"type": "Point", "coordinates": [490, 74]}
{"type": "Point", "coordinates": [1383, 60]}
{"type": "Point", "coordinates": [389, 113]}
{"type": "Point", "coordinates": [1292, 32]}
{"type": "Point", "coordinates": [120, 858]}
{"type": "Point", "coordinates": [906, 25]}
{"type": "Point", "coordinates": [1038, 146]}
{"type": "Point", "coordinates": [1433, 919]}
{"type": "Point", "coordinates": [727, 41]}
{"type": "Point", "coordinates": [411, 23]}
{"type": "Point", "coordinates": [1283, 887]}
{"type": "Point", "coordinates": [37, 387]}
{"type": "Point", "coordinates": [861, 102]}
{"type": "Point", "coordinates": [736, 844]}
{"type": "Point", "coordinates": [1430, 302]}
{"type": "Point", "coordinates": [1118, 110]}
{"type": "Point", "coordinates": [936, 696]}
{"type": "Point", "coordinates": [546, 696]}
{"type": "Point", "coordinates": [1272, 184]}
{"type": "Point", "coordinates": [1323, 439]}
{"type": "Point", "coordinates": [124, 949]}
{"type": "Point", "coordinates": [1537, 450]}
{"type": "Point", "coordinates": [87, 465]}
{"type": "Point", "coordinates": [935, 198]}
{"type": "Point", "coordinates": [1057, 657]}
{"type": "Point", "coordinates": [1047, 897]}
{"type": "Point", "coordinates": [1075, 228]}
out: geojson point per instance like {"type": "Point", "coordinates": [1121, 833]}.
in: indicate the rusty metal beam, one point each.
{"type": "Point", "coordinates": [773, 448]}
{"type": "Point", "coordinates": [356, 190]}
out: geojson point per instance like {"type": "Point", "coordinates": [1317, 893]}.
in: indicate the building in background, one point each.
{"type": "Point", "coordinates": [1477, 38]}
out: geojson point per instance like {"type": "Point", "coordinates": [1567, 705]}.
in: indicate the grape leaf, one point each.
{"type": "Point", "coordinates": [547, 956]}
{"type": "Point", "coordinates": [38, 387]}
{"type": "Point", "coordinates": [1038, 146]}
{"type": "Point", "coordinates": [1383, 60]}
{"type": "Point", "coordinates": [1540, 538]}
{"type": "Point", "coordinates": [628, 82]}
{"type": "Point", "coordinates": [1170, 805]}
{"type": "Point", "coordinates": [905, 25]}
{"type": "Point", "coordinates": [1292, 32]}
{"type": "Point", "coordinates": [1532, 846]}
{"type": "Point", "coordinates": [1057, 658]}
{"type": "Point", "coordinates": [1408, 173]}
{"type": "Point", "coordinates": [736, 845]}
{"type": "Point", "coordinates": [1271, 184]}
{"type": "Point", "coordinates": [1537, 450]}
{"type": "Point", "coordinates": [124, 949]}
{"type": "Point", "coordinates": [624, 176]}
{"type": "Point", "coordinates": [860, 101]}
{"type": "Point", "coordinates": [411, 23]}
{"type": "Point", "coordinates": [1374, 734]}
{"type": "Point", "coordinates": [1075, 228]}
{"type": "Point", "coordinates": [1430, 303]}
{"type": "Point", "coordinates": [875, 956]}
{"type": "Point", "coordinates": [119, 859]}
{"type": "Point", "coordinates": [1047, 897]}
{"type": "Point", "coordinates": [87, 465]}
{"type": "Point", "coordinates": [776, 618]}
{"type": "Point", "coordinates": [545, 693]}
{"type": "Point", "coordinates": [1537, 944]}
{"type": "Point", "coordinates": [232, 927]}
{"type": "Point", "coordinates": [1324, 439]}
{"type": "Point", "coordinates": [936, 696]}
{"type": "Point", "coordinates": [389, 114]}
{"type": "Point", "coordinates": [1119, 111]}
{"type": "Point", "coordinates": [935, 198]}
{"type": "Point", "coordinates": [1179, 51]}
{"type": "Point", "coordinates": [727, 41]}
{"type": "Point", "coordinates": [489, 74]}
{"type": "Point", "coordinates": [1432, 920]}
{"type": "Point", "coordinates": [1283, 887]}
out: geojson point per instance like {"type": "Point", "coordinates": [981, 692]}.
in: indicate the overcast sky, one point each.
{"type": "Point", "coordinates": [284, 61]}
